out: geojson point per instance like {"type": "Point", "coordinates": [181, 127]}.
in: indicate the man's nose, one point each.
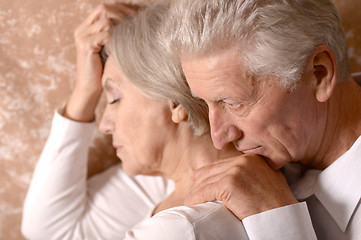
{"type": "Point", "coordinates": [106, 125]}
{"type": "Point", "coordinates": [223, 131]}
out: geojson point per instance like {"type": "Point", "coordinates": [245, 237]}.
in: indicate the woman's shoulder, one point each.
{"type": "Point", "coordinates": [211, 220]}
{"type": "Point", "coordinates": [196, 213]}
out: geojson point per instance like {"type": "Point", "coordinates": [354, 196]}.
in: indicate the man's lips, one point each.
{"type": "Point", "coordinates": [255, 150]}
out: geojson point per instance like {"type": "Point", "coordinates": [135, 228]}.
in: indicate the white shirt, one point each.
{"type": "Point", "coordinates": [207, 221]}
{"type": "Point", "coordinates": [62, 204]}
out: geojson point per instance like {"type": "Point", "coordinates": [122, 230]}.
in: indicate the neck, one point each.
{"type": "Point", "coordinates": [187, 154]}
{"type": "Point", "coordinates": [342, 125]}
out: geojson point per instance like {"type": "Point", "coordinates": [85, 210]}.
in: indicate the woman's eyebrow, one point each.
{"type": "Point", "coordinates": [107, 85]}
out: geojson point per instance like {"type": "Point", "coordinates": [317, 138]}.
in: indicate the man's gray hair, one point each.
{"type": "Point", "coordinates": [273, 37]}
{"type": "Point", "coordinates": [136, 48]}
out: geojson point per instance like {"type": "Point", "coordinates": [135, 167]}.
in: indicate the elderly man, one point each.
{"type": "Point", "coordinates": [276, 80]}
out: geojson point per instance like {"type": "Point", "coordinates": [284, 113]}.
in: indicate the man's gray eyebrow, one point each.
{"type": "Point", "coordinates": [220, 98]}
{"type": "Point", "coordinates": [211, 100]}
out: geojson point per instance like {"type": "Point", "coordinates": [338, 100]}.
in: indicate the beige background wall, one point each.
{"type": "Point", "coordinates": [37, 72]}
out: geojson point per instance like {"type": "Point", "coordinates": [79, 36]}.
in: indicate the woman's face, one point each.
{"type": "Point", "coordinates": [141, 127]}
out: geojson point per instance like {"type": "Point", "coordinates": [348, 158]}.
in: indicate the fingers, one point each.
{"type": "Point", "coordinates": [246, 184]}
{"type": "Point", "coordinates": [115, 12]}
{"type": "Point", "coordinates": [214, 181]}
{"type": "Point", "coordinates": [204, 193]}
{"type": "Point", "coordinates": [102, 25]}
{"type": "Point", "coordinates": [206, 185]}
{"type": "Point", "coordinates": [96, 42]}
{"type": "Point", "coordinates": [101, 20]}
{"type": "Point", "coordinates": [214, 187]}
{"type": "Point", "coordinates": [214, 169]}
{"type": "Point", "coordinates": [90, 37]}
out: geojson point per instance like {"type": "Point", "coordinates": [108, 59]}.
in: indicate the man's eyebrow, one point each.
{"type": "Point", "coordinates": [220, 98]}
{"type": "Point", "coordinates": [217, 99]}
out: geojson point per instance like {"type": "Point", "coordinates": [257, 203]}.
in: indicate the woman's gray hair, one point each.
{"type": "Point", "coordinates": [144, 61]}
{"type": "Point", "coordinates": [274, 37]}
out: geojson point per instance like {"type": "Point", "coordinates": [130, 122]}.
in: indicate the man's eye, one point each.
{"type": "Point", "coordinates": [233, 105]}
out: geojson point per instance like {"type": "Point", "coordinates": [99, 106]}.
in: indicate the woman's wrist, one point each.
{"type": "Point", "coordinates": [81, 106]}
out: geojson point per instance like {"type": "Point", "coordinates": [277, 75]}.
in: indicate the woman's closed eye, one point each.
{"type": "Point", "coordinates": [114, 101]}
{"type": "Point", "coordinates": [115, 97]}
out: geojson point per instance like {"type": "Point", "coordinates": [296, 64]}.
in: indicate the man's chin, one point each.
{"type": "Point", "coordinates": [275, 165]}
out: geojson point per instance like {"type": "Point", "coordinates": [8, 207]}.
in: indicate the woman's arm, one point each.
{"type": "Point", "coordinates": [58, 203]}
{"type": "Point", "coordinates": [56, 197]}
{"type": "Point", "coordinates": [90, 37]}
{"type": "Point", "coordinates": [62, 204]}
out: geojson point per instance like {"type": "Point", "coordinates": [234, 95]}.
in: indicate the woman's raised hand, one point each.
{"type": "Point", "coordinates": [90, 37]}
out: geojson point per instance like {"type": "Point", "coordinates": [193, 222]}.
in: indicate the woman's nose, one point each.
{"type": "Point", "coordinates": [223, 131]}
{"type": "Point", "coordinates": [106, 125]}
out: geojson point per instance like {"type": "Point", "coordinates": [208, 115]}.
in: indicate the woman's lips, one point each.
{"type": "Point", "coordinates": [117, 148]}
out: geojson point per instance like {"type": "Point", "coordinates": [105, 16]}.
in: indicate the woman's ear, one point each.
{"type": "Point", "coordinates": [324, 72]}
{"type": "Point", "coordinates": [178, 112]}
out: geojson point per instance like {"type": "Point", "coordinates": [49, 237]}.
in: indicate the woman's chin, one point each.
{"type": "Point", "coordinates": [131, 170]}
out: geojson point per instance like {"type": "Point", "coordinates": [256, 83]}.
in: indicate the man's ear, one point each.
{"type": "Point", "coordinates": [324, 72]}
{"type": "Point", "coordinates": [178, 112]}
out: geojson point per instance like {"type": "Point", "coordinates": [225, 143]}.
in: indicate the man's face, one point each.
{"type": "Point", "coordinates": [255, 113]}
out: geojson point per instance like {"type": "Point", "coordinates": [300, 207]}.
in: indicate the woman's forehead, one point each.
{"type": "Point", "coordinates": [112, 76]}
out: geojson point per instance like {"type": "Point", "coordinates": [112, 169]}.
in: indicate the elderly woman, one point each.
{"type": "Point", "coordinates": [157, 129]}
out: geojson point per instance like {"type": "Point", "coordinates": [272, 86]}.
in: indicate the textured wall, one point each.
{"type": "Point", "coordinates": [37, 71]}
{"type": "Point", "coordinates": [350, 11]}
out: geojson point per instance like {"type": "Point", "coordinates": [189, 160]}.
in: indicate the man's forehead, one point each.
{"type": "Point", "coordinates": [213, 59]}
{"type": "Point", "coordinates": [214, 99]}
{"type": "Point", "coordinates": [220, 83]}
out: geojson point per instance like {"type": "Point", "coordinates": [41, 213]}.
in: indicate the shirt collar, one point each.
{"type": "Point", "coordinates": [338, 187]}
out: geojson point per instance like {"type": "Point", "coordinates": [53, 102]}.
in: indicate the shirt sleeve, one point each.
{"type": "Point", "coordinates": [57, 192]}
{"type": "Point", "coordinates": [289, 222]}
{"type": "Point", "coordinates": [207, 221]}
{"type": "Point", "coordinates": [162, 227]}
